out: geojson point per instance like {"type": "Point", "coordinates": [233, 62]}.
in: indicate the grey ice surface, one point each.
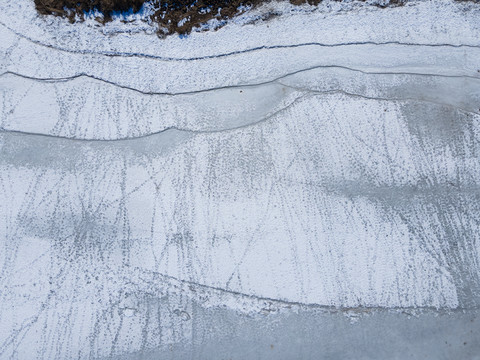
{"type": "Point", "coordinates": [269, 190]}
{"type": "Point", "coordinates": [310, 334]}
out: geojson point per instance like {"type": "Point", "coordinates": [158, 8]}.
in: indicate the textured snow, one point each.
{"type": "Point", "coordinates": [323, 159]}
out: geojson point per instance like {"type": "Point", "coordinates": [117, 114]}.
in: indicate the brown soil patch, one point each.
{"type": "Point", "coordinates": [173, 16]}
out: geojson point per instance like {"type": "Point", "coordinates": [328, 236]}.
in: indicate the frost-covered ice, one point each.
{"type": "Point", "coordinates": [322, 163]}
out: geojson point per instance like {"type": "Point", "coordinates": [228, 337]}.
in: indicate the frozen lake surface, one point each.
{"type": "Point", "coordinates": [302, 187]}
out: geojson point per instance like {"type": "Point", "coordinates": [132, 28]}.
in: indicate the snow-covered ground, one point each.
{"type": "Point", "coordinates": [323, 162]}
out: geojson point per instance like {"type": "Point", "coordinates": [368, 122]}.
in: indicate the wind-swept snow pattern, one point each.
{"type": "Point", "coordinates": [282, 188]}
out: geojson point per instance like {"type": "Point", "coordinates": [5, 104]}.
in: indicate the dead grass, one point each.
{"type": "Point", "coordinates": [172, 16]}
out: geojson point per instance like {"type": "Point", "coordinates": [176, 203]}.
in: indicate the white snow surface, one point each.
{"type": "Point", "coordinates": [327, 157]}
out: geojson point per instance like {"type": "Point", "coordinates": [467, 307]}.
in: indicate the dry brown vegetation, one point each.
{"type": "Point", "coordinates": [168, 14]}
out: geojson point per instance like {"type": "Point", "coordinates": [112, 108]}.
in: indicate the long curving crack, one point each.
{"type": "Point", "coordinates": [167, 93]}
{"type": "Point", "coordinates": [264, 119]}
{"type": "Point", "coordinates": [238, 52]}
